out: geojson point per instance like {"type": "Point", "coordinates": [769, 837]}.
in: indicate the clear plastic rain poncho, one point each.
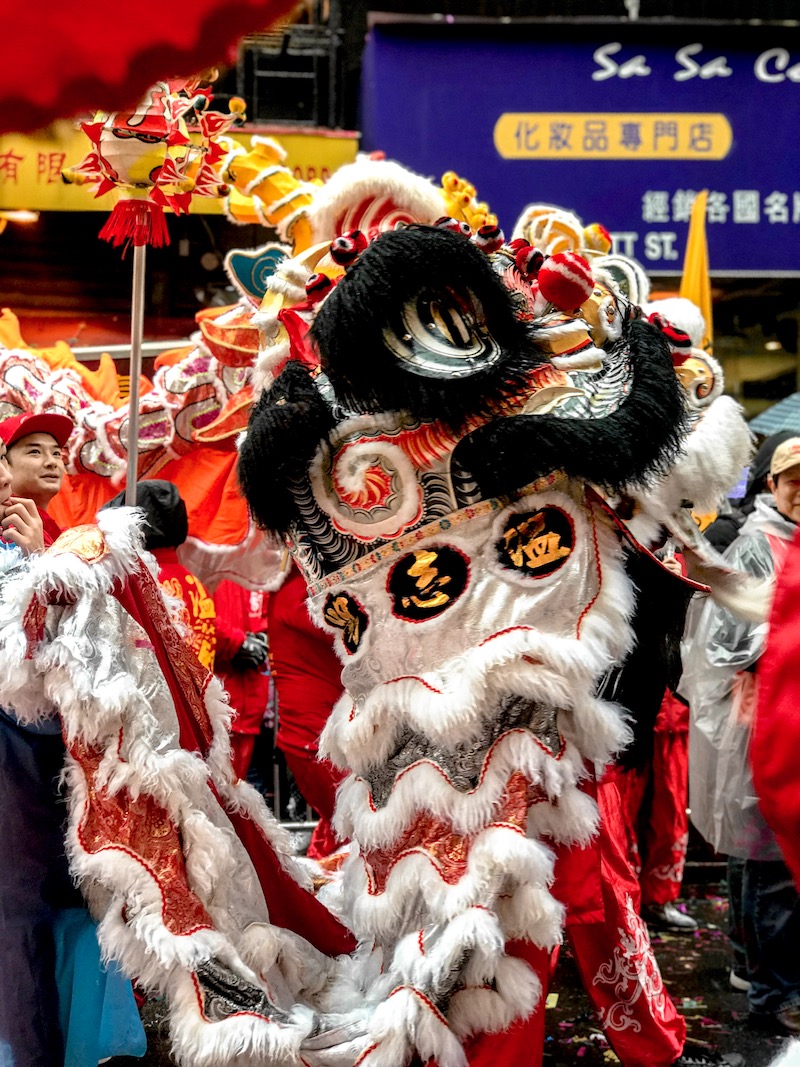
{"type": "Point", "coordinates": [719, 681]}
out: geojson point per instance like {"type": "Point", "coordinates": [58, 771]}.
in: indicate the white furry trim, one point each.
{"type": "Point", "coordinates": [286, 224]}
{"type": "Point", "coordinates": [268, 365]}
{"type": "Point", "coordinates": [481, 1008]}
{"type": "Point", "coordinates": [372, 179]}
{"type": "Point", "coordinates": [501, 859]}
{"type": "Point", "coordinates": [304, 188]}
{"type": "Point", "coordinates": [306, 971]}
{"type": "Point", "coordinates": [424, 788]}
{"type": "Point", "coordinates": [683, 313]}
{"type": "Point", "coordinates": [97, 667]}
{"type": "Point", "coordinates": [271, 143]}
{"type": "Point", "coordinates": [289, 280]}
{"type": "Point", "coordinates": [267, 172]}
{"type": "Point", "coordinates": [409, 1021]}
{"type": "Point", "coordinates": [530, 907]}
{"type": "Point", "coordinates": [714, 454]}
{"type": "Point", "coordinates": [246, 1040]}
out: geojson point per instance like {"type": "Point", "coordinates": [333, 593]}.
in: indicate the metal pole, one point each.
{"type": "Point", "coordinates": [137, 330]}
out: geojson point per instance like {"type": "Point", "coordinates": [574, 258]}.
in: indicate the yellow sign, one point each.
{"type": "Point", "coordinates": [30, 167]}
{"type": "Point", "coordinates": [612, 135]}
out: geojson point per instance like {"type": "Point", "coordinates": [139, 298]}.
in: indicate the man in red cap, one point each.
{"type": "Point", "coordinates": [34, 452]}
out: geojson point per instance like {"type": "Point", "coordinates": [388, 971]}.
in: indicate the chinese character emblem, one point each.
{"type": "Point", "coordinates": [344, 613]}
{"type": "Point", "coordinates": [536, 542]}
{"type": "Point", "coordinates": [425, 583]}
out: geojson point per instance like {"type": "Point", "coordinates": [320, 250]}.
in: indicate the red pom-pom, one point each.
{"type": "Point", "coordinates": [447, 223]}
{"type": "Point", "coordinates": [678, 340]}
{"type": "Point", "coordinates": [489, 238]}
{"type": "Point", "coordinates": [566, 280]}
{"type": "Point", "coordinates": [317, 286]}
{"type": "Point", "coordinates": [346, 249]}
{"type": "Point", "coordinates": [528, 259]}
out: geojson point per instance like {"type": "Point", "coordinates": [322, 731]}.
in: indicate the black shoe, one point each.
{"type": "Point", "coordinates": [703, 1057]}
{"type": "Point", "coordinates": [668, 917]}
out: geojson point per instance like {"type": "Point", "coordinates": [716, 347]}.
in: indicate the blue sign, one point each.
{"type": "Point", "coordinates": [620, 123]}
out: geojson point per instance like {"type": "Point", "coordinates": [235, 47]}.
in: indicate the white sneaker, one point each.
{"type": "Point", "coordinates": [737, 980]}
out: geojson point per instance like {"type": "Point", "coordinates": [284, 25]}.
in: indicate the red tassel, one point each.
{"type": "Point", "coordinates": [137, 222]}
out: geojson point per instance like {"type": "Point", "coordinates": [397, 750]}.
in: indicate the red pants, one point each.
{"type": "Point", "coordinates": [615, 959]}
{"type": "Point", "coordinates": [521, 1045]}
{"type": "Point", "coordinates": [613, 955]}
{"type": "Point", "coordinates": [242, 746]}
{"type": "Point", "coordinates": [654, 801]}
{"type": "Point", "coordinates": [317, 780]}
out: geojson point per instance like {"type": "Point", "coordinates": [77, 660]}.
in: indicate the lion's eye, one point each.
{"type": "Point", "coordinates": [442, 335]}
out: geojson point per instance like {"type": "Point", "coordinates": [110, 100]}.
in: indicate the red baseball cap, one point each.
{"type": "Point", "coordinates": [58, 426]}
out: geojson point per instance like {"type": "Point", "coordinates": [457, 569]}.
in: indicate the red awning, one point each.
{"type": "Point", "coordinates": [59, 58]}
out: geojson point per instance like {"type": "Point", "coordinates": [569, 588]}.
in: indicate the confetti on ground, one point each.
{"type": "Point", "coordinates": [695, 971]}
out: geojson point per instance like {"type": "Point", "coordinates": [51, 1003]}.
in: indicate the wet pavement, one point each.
{"type": "Point", "coordinates": [695, 969]}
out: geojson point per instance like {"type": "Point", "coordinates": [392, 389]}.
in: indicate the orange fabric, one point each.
{"type": "Point", "coordinates": [80, 498]}
{"type": "Point", "coordinates": [101, 384]}
{"type": "Point", "coordinates": [208, 485]}
{"type": "Point", "coordinates": [172, 356]}
{"type": "Point", "coordinates": [10, 336]}
{"type": "Point", "coordinates": [206, 481]}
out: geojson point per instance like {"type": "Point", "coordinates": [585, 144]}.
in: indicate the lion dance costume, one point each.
{"type": "Point", "coordinates": [446, 445]}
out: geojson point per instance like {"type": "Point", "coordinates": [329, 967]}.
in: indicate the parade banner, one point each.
{"type": "Point", "coordinates": [622, 123]}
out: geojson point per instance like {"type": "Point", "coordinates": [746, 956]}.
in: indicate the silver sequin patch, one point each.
{"type": "Point", "coordinates": [463, 763]}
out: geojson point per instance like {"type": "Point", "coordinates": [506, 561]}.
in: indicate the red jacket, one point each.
{"type": "Point", "coordinates": [239, 612]}
{"type": "Point", "coordinates": [776, 731]}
